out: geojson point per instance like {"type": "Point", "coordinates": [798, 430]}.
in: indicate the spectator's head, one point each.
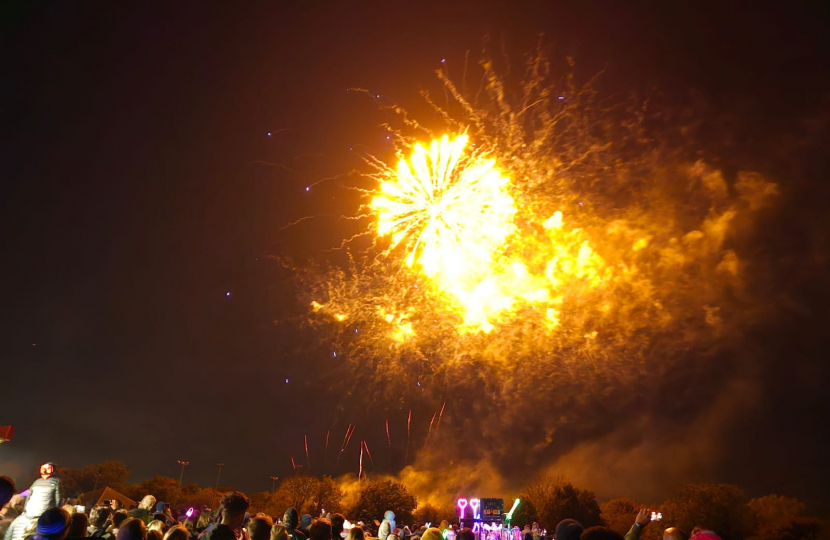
{"type": "Point", "coordinates": [120, 517]}
{"type": "Point", "coordinates": [98, 516]}
{"type": "Point", "coordinates": [132, 529]}
{"type": "Point", "coordinates": [356, 533]}
{"type": "Point", "coordinates": [278, 533]}
{"type": "Point", "coordinates": [337, 521]}
{"type": "Point", "coordinates": [78, 525]}
{"type": "Point", "coordinates": [7, 490]}
{"type": "Point", "coordinates": [703, 534]}
{"type": "Point", "coordinates": [320, 530]}
{"type": "Point", "coordinates": [157, 525]}
{"type": "Point", "coordinates": [154, 534]}
{"type": "Point", "coordinates": [147, 503]}
{"type": "Point", "coordinates": [600, 533]}
{"type": "Point", "coordinates": [305, 521]}
{"type": "Point", "coordinates": [259, 528]}
{"type": "Point", "coordinates": [54, 524]}
{"type": "Point", "coordinates": [466, 534]}
{"type": "Point", "coordinates": [673, 533]}
{"type": "Point", "coordinates": [177, 532]}
{"type": "Point", "coordinates": [291, 518]}
{"type": "Point", "coordinates": [115, 504]}
{"type": "Point", "coordinates": [568, 529]}
{"type": "Point", "coordinates": [433, 533]}
{"type": "Point", "coordinates": [47, 470]}
{"type": "Point", "coordinates": [234, 505]}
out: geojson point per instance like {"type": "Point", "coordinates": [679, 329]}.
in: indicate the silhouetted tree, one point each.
{"type": "Point", "coordinates": [618, 514]}
{"type": "Point", "coordinates": [378, 496]}
{"type": "Point", "coordinates": [550, 499]}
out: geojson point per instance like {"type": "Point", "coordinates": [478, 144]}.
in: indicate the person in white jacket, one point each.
{"type": "Point", "coordinates": [45, 493]}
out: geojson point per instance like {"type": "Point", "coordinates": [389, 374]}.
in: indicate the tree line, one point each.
{"type": "Point", "coordinates": [547, 500]}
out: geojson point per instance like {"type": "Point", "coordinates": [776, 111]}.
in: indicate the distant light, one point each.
{"type": "Point", "coordinates": [355, 330]}
{"type": "Point", "coordinates": [387, 137]}
{"type": "Point", "coordinates": [35, 344]}
{"type": "Point", "coordinates": [308, 188]}
{"type": "Point", "coordinates": [334, 354]}
{"type": "Point", "coordinates": [286, 380]}
{"type": "Point", "coordinates": [350, 149]}
{"type": "Point", "coordinates": [269, 133]}
{"type": "Point", "coordinates": [443, 60]}
{"type": "Point", "coordinates": [419, 384]}
{"type": "Point", "coordinates": [377, 95]}
{"type": "Point", "coordinates": [561, 97]}
{"type": "Point", "coordinates": [227, 294]}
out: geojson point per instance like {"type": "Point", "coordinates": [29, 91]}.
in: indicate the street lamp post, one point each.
{"type": "Point", "coordinates": [216, 488]}
{"type": "Point", "coordinates": [273, 488]}
{"type": "Point", "coordinates": [181, 476]}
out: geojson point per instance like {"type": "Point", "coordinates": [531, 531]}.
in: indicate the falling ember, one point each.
{"type": "Point", "coordinates": [408, 431]}
{"type": "Point", "coordinates": [389, 443]}
{"type": "Point", "coordinates": [307, 460]}
{"type": "Point", "coordinates": [293, 465]}
{"type": "Point", "coordinates": [368, 453]}
{"type": "Point", "coordinates": [326, 450]}
{"type": "Point", "coordinates": [426, 441]}
{"type": "Point", "coordinates": [360, 469]}
{"type": "Point", "coordinates": [440, 415]}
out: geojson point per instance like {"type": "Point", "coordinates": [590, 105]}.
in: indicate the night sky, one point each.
{"type": "Point", "coordinates": [143, 202]}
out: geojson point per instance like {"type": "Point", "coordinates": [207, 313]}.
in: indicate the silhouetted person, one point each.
{"type": "Point", "coordinates": [600, 533]}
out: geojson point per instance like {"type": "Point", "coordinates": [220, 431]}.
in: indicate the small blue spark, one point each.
{"type": "Point", "coordinates": [269, 133]}
{"type": "Point", "coordinates": [308, 188]}
{"type": "Point", "coordinates": [286, 380]}
{"type": "Point", "coordinates": [419, 384]}
{"type": "Point", "coordinates": [227, 294]}
{"type": "Point", "coordinates": [443, 60]}
{"type": "Point", "coordinates": [334, 354]}
{"type": "Point", "coordinates": [355, 330]}
{"type": "Point", "coordinates": [561, 98]}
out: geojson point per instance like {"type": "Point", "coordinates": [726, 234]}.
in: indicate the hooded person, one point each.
{"type": "Point", "coordinates": [290, 520]}
{"type": "Point", "coordinates": [387, 526]}
{"type": "Point", "coordinates": [433, 533]}
{"type": "Point", "coordinates": [568, 529]}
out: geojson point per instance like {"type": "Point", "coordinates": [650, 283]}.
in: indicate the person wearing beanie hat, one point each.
{"type": "Point", "coordinates": [53, 524]}
{"type": "Point", "coordinates": [305, 523]}
{"type": "Point", "coordinates": [568, 529]}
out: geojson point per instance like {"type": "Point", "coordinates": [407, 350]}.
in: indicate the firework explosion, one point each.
{"type": "Point", "coordinates": [541, 241]}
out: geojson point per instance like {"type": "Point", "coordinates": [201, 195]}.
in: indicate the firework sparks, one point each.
{"type": "Point", "coordinates": [524, 254]}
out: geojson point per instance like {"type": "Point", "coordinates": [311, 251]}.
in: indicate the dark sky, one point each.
{"type": "Point", "coordinates": [134, 198]}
